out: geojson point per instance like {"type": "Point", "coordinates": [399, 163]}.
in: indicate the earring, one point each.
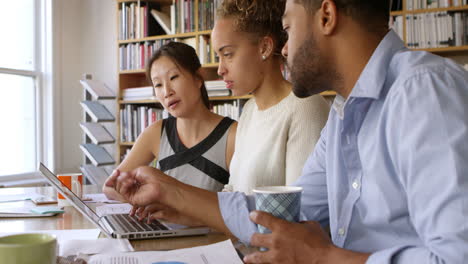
{"type": "Point", "coordinates": [263, 57]}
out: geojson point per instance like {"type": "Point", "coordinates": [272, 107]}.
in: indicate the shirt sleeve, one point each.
{"type": "Point", "coordinates": [314, 197]}
{"type": "Point", "coordinates": [235, 208]}
{"type": "Point", "coordinates": [430, 151]}
{"type": "Point", "coordinates": [308, 120]}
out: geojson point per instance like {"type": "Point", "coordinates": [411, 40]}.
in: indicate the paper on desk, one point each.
{"type": "Point", "coordinates": [113, 209]}
{"type": "Point", "coordinates": [99, 198]}
{"type": "Point", "coordinates": [222, 252]}
{"type": "Point", "coordinates": [18, 197]}
{"type": "Point", "coordinates": [95, 246]}
{"type": "Point", "coordinates": [64, 235]}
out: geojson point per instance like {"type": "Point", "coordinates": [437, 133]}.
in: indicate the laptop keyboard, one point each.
{"type": "Point", "coordinates": [131, 224]}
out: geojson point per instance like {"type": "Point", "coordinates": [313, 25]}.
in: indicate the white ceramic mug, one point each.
{"type": "Point", "coordinates": [74, 182]}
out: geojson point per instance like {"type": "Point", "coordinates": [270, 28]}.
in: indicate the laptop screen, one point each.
{"type": "Point", "coordinates": [72, 198]}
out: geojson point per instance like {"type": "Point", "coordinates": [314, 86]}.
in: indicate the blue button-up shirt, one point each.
{"type": "Point", "coordinates": [390, 171]}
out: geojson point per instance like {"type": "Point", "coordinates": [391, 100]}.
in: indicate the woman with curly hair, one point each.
{"type": "Point", "coordinates": [276, 132]}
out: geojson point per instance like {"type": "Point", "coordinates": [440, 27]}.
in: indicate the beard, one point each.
{"type": "Point", "coordinates": [311, 73]}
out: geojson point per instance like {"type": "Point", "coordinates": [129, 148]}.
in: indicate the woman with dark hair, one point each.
{"type": "Point", "coordinates": [194, 145]}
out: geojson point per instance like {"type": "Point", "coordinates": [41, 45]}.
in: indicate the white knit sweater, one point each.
{"type": "Point", "coordinates": [272, 145]}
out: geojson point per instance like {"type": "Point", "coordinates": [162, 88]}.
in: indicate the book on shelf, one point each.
{"type": "Point", "coordinates": [97, 154]}
{"type": "Point", "coordinates": [138, 93]}
{"type": "Point", "coordinates": [231, 109]}
{"type": "Point", "coordinates": [97, 89]}
{"type": "Point", "coordinates": [134, 56]}
{"type": "Point", "coordinates": [135, 20]}
{"type": "Point", "coordinates": [97, 133]}
{"type": "Point", "coordinates": [437, 29]}
{"type": "Point", "coordinates": [134, 119]}
{"type": "Point", "coordinates": [425, 4]}
{"type": "Point", "coordinates": [163, 20]}
{"type": "Point", "coordinates": [97, 175]}
{"type": "Point", "coordinates": [215, 85]}
{"type": "Point", "coordinates": [97, 111]}
{"type": "Point", "coordinates": [220, 92]}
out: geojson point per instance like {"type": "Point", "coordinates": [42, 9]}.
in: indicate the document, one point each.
{"type": "Point", "coordinates": [222, 252]}
{"type": "Point", "coordinates": [79, 247]}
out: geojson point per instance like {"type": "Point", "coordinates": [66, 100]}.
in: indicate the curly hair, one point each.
{"type": "Point", "coordinates": [258, 17]}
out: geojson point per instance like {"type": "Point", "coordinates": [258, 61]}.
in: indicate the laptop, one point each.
{"type": "Point", "coordinates": [120, 225]}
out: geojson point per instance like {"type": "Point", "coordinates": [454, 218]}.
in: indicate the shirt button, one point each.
{"type": "Point", "coordinates": [341, 231]}
{"type": "Point", "coordinates": [355, 185]}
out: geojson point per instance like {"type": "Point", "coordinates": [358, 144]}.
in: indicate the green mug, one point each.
{"type": "Point", "coordinates": [28, 249]}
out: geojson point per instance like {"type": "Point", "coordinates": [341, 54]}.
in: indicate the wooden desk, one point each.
{"type": "Point", "coordinates": [73, 219]}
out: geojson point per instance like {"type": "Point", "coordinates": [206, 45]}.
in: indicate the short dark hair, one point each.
{"type": "Point", "coordinates": [183, 56]}
{"type": "Point", "coordinates": [371, 14]}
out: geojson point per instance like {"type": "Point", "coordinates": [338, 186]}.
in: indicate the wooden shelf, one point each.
{"type": "Point", "coordinates": [132, 71]}
{"type": "Point", "coordinates": [446, 49]}
{"type": "Point", "coordinates": [148, 101]}
{"type": "Point", "coordinates": [139, 71]}
{"type": "Point", "coordinates": [210, 65]}
{"type": "Point", "coordinates": [328, 93]}
{"type": "Point", "coordinates": [430, 10]}
{"type": "Point", "coordinates": [163, 2]}
{"type": "Point", "coordinates": [397, 13]}
{"type": "Point", "coordinates": [127, 144]}
{"type": "Point", "coordinates": [225, 98]}
{"type": "Point", "coordinates": [158, 37]}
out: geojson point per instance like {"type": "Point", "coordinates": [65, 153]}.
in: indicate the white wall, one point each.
{"type": "Point", "coordinates": [87, 36]}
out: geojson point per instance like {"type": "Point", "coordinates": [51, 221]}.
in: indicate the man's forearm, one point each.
{"type": "Point", "coordinates": [196, 203]}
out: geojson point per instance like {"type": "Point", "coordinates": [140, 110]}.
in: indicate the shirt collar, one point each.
{"type": "Point", "coordinates": [372, 79]}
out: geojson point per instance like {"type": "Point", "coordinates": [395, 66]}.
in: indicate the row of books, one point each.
{"type": "Point", "coordinates": [423, 4]}
{"type": "Point", "coordinates": [135, 118]}
{"type": "Point", "coordinates": [434, 30]}
{"type": "Point", "coordinates": [134, 56]}
{"type": "Point", "coordinates": [136, 21]}
{"type": "Point", "coordinates": [138, 93]}
{"type": "Point", "coordinates": [217, 88]}
{"type": "Point", "coordinates": [231, 109]}
{"type": "Point", "coordinates": [183, 15]}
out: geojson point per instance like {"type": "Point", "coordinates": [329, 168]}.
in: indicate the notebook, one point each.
{"type": "Point", "coordinates": [119, 225]}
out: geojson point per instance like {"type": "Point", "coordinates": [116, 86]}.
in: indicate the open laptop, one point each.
{"type": "Point", "coordinates": [119, 225]}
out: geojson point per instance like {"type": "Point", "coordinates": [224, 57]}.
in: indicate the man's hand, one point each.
{"type": "Point", "coordinates": [304, 242]}
{"type": "Point", "coordinates": [163, 212]}
{"type": "Point", "coordinates": [110, 181]}
{"type": "Point", "coordinates": [142, 186]}
{"type": "Point", "coordinates": [289, 242]}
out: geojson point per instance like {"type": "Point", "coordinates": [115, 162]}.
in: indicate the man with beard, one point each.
{"type": "Point", "coordinates": [388, 174]}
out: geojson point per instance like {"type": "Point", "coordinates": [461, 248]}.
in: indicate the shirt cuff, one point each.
{"type": "Point", "coordinates": [387, 256]}
{"type": "Point", "coordinates": [235, 208]}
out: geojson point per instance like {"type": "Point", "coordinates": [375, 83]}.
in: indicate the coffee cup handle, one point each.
{"type": "Point", "coordinates": [76, 184]}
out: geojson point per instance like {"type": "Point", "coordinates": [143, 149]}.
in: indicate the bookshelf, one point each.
{"type": "Point", "coordinates": [437, 26]}
{"type": "Point", "coordinates": [131, 75]}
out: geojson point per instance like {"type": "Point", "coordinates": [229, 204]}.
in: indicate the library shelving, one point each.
{"type": "Point", "coordinates": [437, 26]}
{"type": "Point", "coordinates": [139, 35]}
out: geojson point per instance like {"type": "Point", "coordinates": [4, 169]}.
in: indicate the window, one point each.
{"type": "Point", "coordinates": [20, 87]}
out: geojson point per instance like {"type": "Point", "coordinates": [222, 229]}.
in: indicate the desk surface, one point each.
{"type": "Point", "coordinates": [73, 219]}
